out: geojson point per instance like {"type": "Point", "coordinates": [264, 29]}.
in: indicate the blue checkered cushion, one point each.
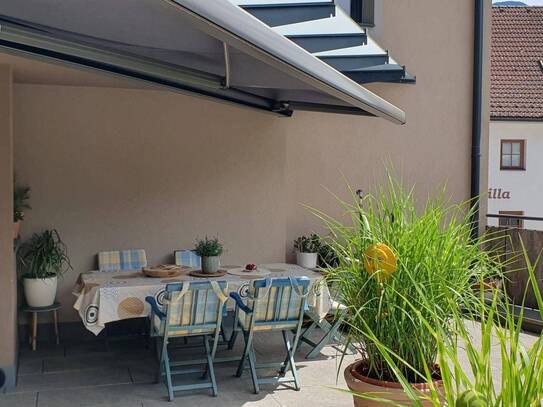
{"type": "Point", "coordinates": [194, 312]}
{"type": "Point", "coordinates": [187, 258]}
{"type": "Point", "coordinates": [133, 259]}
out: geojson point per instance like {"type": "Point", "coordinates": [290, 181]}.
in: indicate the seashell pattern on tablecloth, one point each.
{"type": "Point", "coordinates": [130, 307]}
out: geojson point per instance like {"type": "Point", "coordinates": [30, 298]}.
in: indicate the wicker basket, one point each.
{"type": "Point", "coordinates": [162, 271]}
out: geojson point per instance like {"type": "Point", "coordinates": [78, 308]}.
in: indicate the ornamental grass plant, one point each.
{"type": "Point", "coordinates": [437, 264]}
{"type": "Point", "coordinates": [486, 362]}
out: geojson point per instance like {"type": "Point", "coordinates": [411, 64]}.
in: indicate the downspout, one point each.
{"type": "Point", "coordinates": [476, 129]}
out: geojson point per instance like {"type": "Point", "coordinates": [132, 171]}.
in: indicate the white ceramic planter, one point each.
{"type": "Point", "coordinates": [307, 260]}
{"type": "Point", "coordinates": [210, 264]}
{"type": "Point", "coordinates": [40, 292]}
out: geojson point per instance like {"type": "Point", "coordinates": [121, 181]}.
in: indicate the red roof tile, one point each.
{"type": "Point", "coordinates": [516, 82]}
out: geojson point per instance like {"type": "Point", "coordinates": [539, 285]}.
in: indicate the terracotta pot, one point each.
{"type": "Point", "coordinates": [489, 286]}
{"type": "Point", "coordinates": [16, 229]}
{"type": "Point", "coordinates": [387, 390]}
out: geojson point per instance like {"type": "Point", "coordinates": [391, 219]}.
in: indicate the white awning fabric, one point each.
{"type": "Point", "coordinates": [212, 48]}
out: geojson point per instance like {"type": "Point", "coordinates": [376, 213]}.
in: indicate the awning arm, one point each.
{"type": "Point", "coordinates": [228, 23]}
{"type": "Point", "coordinates": [226, 81]}
{"type": "Point", "coordinates": [19, 39]}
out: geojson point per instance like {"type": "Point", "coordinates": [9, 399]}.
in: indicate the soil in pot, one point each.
{"type": "Point", "coordinates": [356, 376]}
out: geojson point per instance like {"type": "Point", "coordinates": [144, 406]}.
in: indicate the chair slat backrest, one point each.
{"type": "Point", "coordinates": [187, 258]}
{"type": "Point", "coordinates": [279, 301]}
{"type": "Point", "coordinates": [133, 259]}
{"type": "Point", "coordinates": [194, 307]}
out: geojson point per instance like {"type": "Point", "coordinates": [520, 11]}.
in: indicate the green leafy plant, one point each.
{"type": "Point", "coordinates": [44, 255]}
{"type": "Point", "coordinates": [308, 244]}
{"type": "Point", "coordinates": [327, 256]}
{"type": "Point", "coordinates": [208, 247]}
{"type": "Point", "coordinates": [436, 259]}
{"type": "Point", "coordinates": [502, 368]}
{"type": "Point", "coordinates": [21, 195]}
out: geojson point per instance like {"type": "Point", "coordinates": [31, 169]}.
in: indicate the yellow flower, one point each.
{"type": "Point", "coordinates": [379, 258]}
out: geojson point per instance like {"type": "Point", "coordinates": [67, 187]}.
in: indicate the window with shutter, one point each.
{"type": "Point", "coordinates": [362, 11]}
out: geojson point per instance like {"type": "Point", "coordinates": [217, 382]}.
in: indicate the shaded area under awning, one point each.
{"type": "Point", "coordinates": [212, 48]}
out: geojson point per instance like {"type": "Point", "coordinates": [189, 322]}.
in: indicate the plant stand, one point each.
{"type": "Point", "coordinates": [34, 311]}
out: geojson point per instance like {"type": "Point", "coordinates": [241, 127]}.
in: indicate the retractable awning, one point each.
{"type": "Point", "coordinates": [212, 48]}
{"type": "Point", "coordinates": [324, 29]}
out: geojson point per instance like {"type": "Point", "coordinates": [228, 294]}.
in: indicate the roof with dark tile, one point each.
{"type": "Point", "coordinates": [516, 84]}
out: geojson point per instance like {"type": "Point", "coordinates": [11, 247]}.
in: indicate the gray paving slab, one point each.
{"type": "Point", "coordinates": [110, 395]}
{"type": "Point", "coordinates": [321, 396]}
{"type": "Point", "coordinates": [30, 366]}
{"type": "Point", "coordinates": [67, 380]}
{"type": "Point", "coordinates": [86, 374]}
{"type": "Point", "coordinates": [18, 400]}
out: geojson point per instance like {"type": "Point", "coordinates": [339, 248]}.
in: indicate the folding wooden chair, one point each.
{"type": "Point", "coordinates": [271, 305]}
{"type": "Point", "coordinates": [331, 330]}
{"type": "Point", "coordinates": [188, 258]}
{"type": "Point", "coordinates": [190, 309]}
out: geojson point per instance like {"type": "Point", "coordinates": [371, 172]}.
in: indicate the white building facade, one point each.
{"type": "Point", "coordinates": [516, 189]}
{"type": "Point", "coordinates": [515, 156]}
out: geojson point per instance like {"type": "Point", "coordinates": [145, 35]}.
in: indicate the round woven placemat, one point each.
{"type": "Point", "coordinates": [258, 273]}
{"type": "Point", "coordinates": [200, 273]}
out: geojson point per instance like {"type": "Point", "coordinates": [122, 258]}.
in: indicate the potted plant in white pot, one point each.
{"type": "Point", "coordinates": [307, 250]}
{"type": "Point", "coordinates": [42, 259]}
{"type": "Point", "coordinates": [391, 256]}
{"type": "Point", "coordinates": [210, 251]}
{"type": "Point", "coordinates": [21, 195]}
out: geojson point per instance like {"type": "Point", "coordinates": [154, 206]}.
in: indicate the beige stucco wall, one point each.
{"type": "Point", "coordinates": [119, 168]}
{"type": "Point", "coordinates": [125, 168]}
{"type": "Point", "coordinates": [8, 280]}
{"type": "Point", "coordinates": [434, 39]}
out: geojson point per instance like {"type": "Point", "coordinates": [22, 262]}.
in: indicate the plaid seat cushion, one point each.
{"type": "Point", "coordinates": [133, 259]}
{"type": "Point", "coordinates": [188, 312]}
{"type": "Point", "coordinates": [159, 328]}
{"type": "Point", "coordinates": [187, 258]}
{"type": "Point", "coordinates": [267, 311]}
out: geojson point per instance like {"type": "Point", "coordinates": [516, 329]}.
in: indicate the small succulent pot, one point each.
{"type": "Point", "coordinates": [210, 264]}
{"type": "Point", "coordinates": [306, 260]}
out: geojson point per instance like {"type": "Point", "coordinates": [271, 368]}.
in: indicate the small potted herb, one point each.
{"type": "Point", "coordinates": [307, 249]}
{"type": "Point", "coordinates": [42, 258]}
{"type": "Point", "coordinates": [209, 250]}
{"type": "Point", "coordinates": [21, 195]}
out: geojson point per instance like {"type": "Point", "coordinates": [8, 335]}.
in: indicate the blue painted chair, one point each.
{"type": "Point", "coordinates": [330, 330]}
{"type": "Point", "coordinates": [190, 309]}
{"type": "Point", "coordinates": [271, 305]}
{"type": "Point", "coordinates": [133, 259]}
{"type": "Point", "coordinates": [187, 258]}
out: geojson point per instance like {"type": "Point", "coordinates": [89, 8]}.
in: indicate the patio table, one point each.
{"type": "Point", "coordinates": [104, 297]}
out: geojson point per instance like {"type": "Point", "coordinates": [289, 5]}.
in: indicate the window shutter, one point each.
{"type": "Point", "coordinates": [362, 11]}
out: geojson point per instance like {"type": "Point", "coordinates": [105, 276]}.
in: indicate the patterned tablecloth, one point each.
{"type": "Point", "coordinates": [104, 297]}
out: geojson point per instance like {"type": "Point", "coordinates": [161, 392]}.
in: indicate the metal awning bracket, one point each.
{"type": "Point", "coordinates": [226, 79]}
